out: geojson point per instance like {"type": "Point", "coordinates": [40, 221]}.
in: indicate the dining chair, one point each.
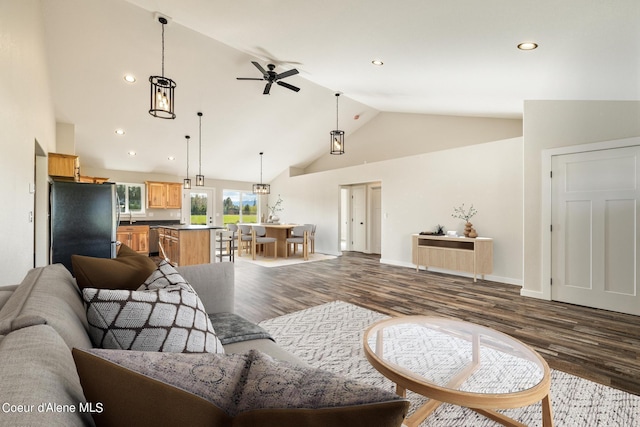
{"type": "Point", "coordinates": [244, 238]}
{"type": "Point", "coordinates": [299, 236]}
{"type": "Point", "coordinates": [259, 237]}
{"type": "Point", "coordinates": [312, 237]}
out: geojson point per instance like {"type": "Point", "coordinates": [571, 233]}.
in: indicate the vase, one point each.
{"type": "Point", "coordinates": [467, 229]}
{"type": "Point", "coordinates": [473, 233]}
{"type": "Point", "coordinates": [274, 218]}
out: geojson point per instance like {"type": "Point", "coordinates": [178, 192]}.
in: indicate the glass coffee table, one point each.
{"type": "Point", "coordinates": [457, 362]}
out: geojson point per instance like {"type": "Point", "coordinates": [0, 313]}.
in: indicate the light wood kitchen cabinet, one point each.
{"type": "Point", "coordinates": [134, 236]}
{"type": "Point", "coordinates": [164, 195]}
{"type": "Point", "coordinates": [64, 166]}
{"type": "Point", "coordinates": [185, 247]}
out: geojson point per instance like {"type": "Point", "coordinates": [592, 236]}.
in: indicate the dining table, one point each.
{"type": "Point", "coordinates": [281, 232]}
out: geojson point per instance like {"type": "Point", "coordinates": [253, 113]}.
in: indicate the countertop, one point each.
{"type": "Point", "coordinates": [189, 227]}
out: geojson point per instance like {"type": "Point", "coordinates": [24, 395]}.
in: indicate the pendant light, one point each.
{"type": "Point", "coordinates": [187, 181]}
{"type": "Point", "coordinates": [162, 88]}
{"type": "Point", "coordinates": [261, 188]}
{"type": "Point", "coordinates": [200, 177]}
{"type": "Point", "coordinates": [337, 136]}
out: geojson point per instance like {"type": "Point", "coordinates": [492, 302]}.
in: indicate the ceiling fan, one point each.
{"type": "Point", "coordinates": [272, 77]}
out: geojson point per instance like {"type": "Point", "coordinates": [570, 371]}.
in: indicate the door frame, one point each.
{"type": "Point", "coordinates": [546, 197]}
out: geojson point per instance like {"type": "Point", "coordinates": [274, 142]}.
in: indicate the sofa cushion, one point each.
{"type": "Point", "coordinates": [231, 390]}
{"type": "Point", "coordinates": [168, 318]}
{"type": "Point", "coordinates": [127, 271]}
{"type": "Point", "coordinates": [128, 382]}
{"type": "Point", "coordinates": [37, 371]}
{"type": "Point", "coordinates": [277, 393]}
{"type": "Point", "coordinates": [52, 294]}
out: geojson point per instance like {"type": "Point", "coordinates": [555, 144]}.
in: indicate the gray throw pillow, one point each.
{"type": "Point", "coordinates": [168, 317]}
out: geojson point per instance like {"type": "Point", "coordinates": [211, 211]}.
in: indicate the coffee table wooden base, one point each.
{"type": "Point", "coordinates": [481, 402]}
{"type": "Point", "coordinates": [421, 414]}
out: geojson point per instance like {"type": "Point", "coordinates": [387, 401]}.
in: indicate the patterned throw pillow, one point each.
{"type": "Point", "coordinates": [168, 317]}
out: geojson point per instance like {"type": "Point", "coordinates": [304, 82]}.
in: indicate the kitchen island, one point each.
{"type": "Point", "coordinates": [186, 244]}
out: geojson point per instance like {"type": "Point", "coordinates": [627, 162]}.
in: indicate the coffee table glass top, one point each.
{"type": "Point", "coordinates": [456, 355]}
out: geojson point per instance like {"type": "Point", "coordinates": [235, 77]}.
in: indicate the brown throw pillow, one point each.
{"type": "Point", "coordinates": [128, 271]}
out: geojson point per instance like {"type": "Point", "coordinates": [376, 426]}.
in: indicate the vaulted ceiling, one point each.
{"type": "Point", "coordinates": [453, 58]}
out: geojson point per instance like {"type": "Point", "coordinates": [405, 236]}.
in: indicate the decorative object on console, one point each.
{"type": "Point", "coordinates": [337, 136]}
{"type": "Point", "coordinates": [261, 188]}
{"type": "Point", "coordinates": [200, 177]}
{"type": "Point", "coordinates": [187, 181]}
{"type": "Point", "coordinates": [461, 213]}
{"type": "Point", "coordinates": [162, 88]}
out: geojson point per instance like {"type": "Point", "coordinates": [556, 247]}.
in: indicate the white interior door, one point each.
{"type": "Point", "coordinates": [358, 219]}
{"type": "Point", "coordinates": [594, 239]}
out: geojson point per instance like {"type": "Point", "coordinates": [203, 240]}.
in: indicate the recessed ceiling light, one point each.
{"type": "Point", "coordinates": [129, 78]}
{"type": "Point", "coordinates": [527, 46]}
{"type": "Point", "coordinates": [119, 131]}
{"type": "Point", "coordinates": [132, 153]}
{"type": "Point", "coordinates": [171, 158]}
{"type": "Point", "coordinates": [377, 62]}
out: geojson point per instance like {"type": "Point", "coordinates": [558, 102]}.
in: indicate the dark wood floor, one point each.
{"type": "Point", "coordinates": [599, 345]}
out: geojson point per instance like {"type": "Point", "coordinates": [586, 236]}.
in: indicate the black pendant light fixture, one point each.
{"type": "Point", "coordinates": [187, 181]}
{"type": "Point", "coordinates": [200, 177]}
{"type": "Point", "coordinates": [261, 188]}
{"type": "Point", "coordinates": [337, 136]}
{"type": "Point", "coordinates": [162, 88]}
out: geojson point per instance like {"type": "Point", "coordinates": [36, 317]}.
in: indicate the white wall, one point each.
{"type": "Point", "coordinates": [26, 115]}
{"type": "Point", "coordinates": [419, 192]}
{"type": "Point", "coordinates": [553, 124]}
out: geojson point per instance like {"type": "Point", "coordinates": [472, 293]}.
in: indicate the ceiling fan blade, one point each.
{"type": "Point", "coordinates": [291, 72]}
{"type": "Point", "coordinates": [259, 67]}
{"type": "Point", "coordinates": [267, 88]}
{"type": "Point", "coordinates": [288, 86]}
{"type": "Point", "coordinates": [248, 78]}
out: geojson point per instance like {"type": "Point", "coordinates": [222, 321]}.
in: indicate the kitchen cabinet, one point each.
{"type": "Point", "coordinates": [64, 166]}
{"type": "Point", "coordinates": [164, 195]}
{"type": "Point", "coordinates": [93, 179]}
{"type": "Point", "coordinates": [185, 246]}
{"type": "Point", "coordinates": [134, 236]}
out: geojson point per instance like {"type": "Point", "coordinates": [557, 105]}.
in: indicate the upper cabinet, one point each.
{"type": "Point", "coordinates": [64, 166]}
{"type": "Point", "coordinates": [164, 195]}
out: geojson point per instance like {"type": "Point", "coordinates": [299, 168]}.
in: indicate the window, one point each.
{"type": "Point", "coordinates": [239, 206]}
{"type": "Point", "coordinates": [131, 197]}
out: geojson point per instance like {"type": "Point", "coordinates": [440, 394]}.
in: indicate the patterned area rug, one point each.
{"type": "Point", "coordinates": [329, 336]}
{"type": "Point", "coordinates": [281, 261]}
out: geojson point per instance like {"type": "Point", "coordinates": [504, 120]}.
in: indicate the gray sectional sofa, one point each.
{"type": "Point", "coordinates": [44, 318]}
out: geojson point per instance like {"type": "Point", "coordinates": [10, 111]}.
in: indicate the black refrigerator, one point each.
{"type": "Point", "coordinates": [84, 220]}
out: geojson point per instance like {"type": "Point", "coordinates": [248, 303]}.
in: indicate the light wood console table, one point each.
{"type": "Point", "coordinates": [453, 253]}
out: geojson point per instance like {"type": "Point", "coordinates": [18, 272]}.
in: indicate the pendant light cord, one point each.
{"type": "Point", "coordinates": [162, 49]}
{"type": "Point", "coordinates": [187, 156]}
{"type": "Point", "coordinates": [261, 168]}
{"type": "Point", "coordinates": [337, 96]}
{"type": "Point", "coordinates": [200, 146]}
